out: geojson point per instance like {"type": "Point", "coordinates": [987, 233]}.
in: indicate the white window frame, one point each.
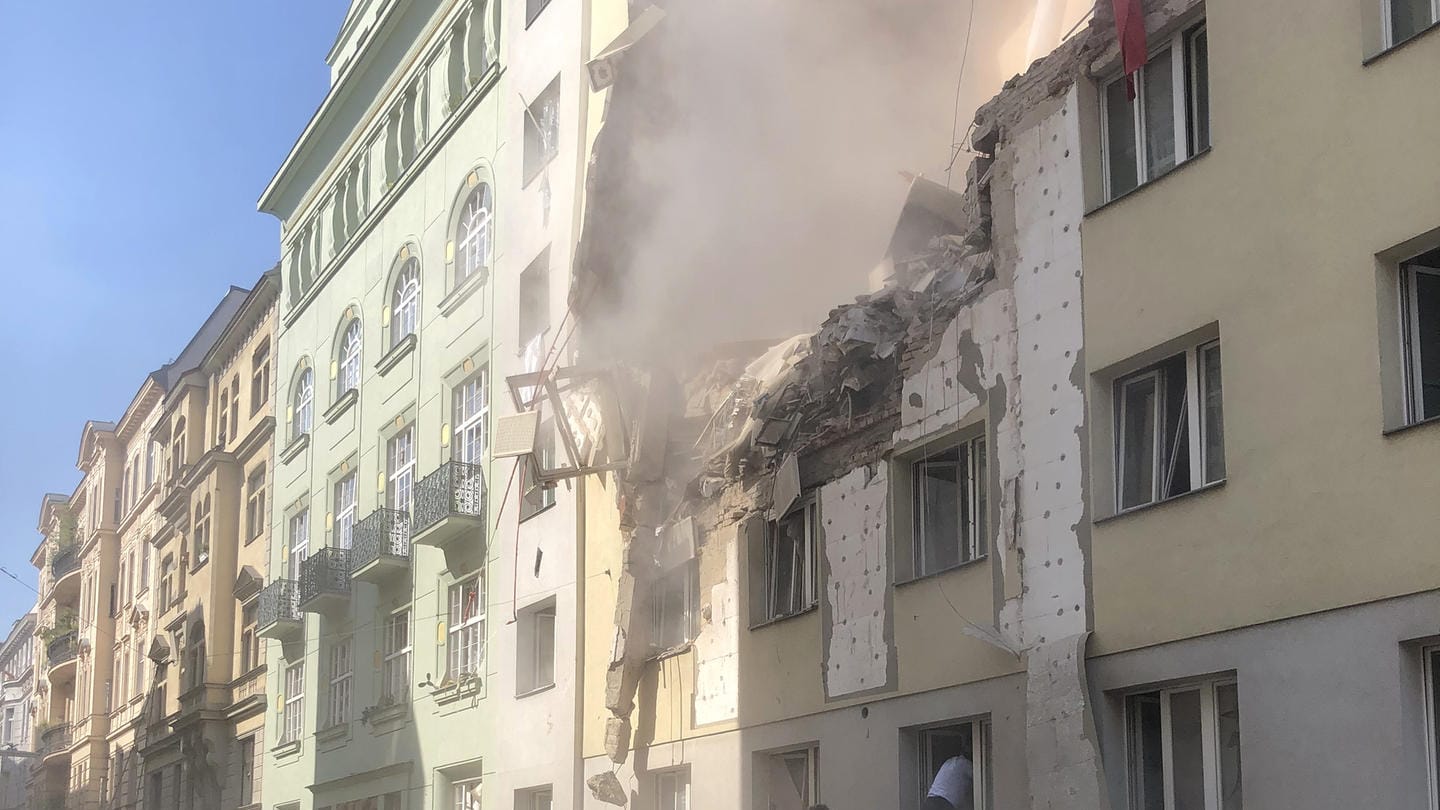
{"type": "Point", "coordinates": [396, 665]}
{"type": "Point", "coordinates": [972, 482]}
{"type": "Point", "coordinates": [348, 377]}
{"type": "Point", "coordinates": [806, 576]}
{"type": "Point", "coordinates": [980, 732]}
{"type": "Point", "coordinates": [345, 491]}
{"type": "Point", "coordinates": [342, 670]}
{"type": "Point", "coordinates": [811, 755]}
{"type": "Point", "coordinates": [536, 798]}
{"type": "Point", "coordinates": [541, 626]}
{"type": "Point", "coordinates": [293, 716]}
{"type": "Point", "coordinates": [400, 469]}
{"type": "Point", "coordinates": [1209, 738]}
{"type": "Point", "coordinates": [471, 415]}
{"type": "Point", "coordinates": [465, 635]}
{"type": "Point", "coordinates": [304, 415]}
{"type": "Point", "coordinates": [255, 515]}
{"type": "Point", "coordinates": [1182, 101]}
{"type": "Point", "coordinates": [473, 243]}
{"type": "Point", "coordinates": [688, 572]}
{"type": "Point", "coordinates": [465, 794]}
{"type": "Point", "coordinates": [299, 543]}
{"type": "Point", "coordinates": [1197, 425]}
{"type": "Point", "coordinates": [673, 784]}
{"type": "Point", "coordinates": [1387, 21]}
{"type": "Point", "coordinates": [1410, 338]}
{"type": "Point", "coordinates": [405, 302]}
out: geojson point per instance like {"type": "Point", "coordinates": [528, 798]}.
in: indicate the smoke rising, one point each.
{"type": "Point", "coordinates": [764, 170]}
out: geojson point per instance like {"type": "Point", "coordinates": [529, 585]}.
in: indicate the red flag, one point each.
{"type": "Point", "coordinates": [1130, 31]}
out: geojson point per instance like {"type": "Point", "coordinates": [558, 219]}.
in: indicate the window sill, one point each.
{"type": "Point", "coordinates": [397, 353]}
{"type": "Point", "coordinates": [294, 448]}
{"type": "Point", "coordinates": [201, 564]}
{"type": "Point", "coordinates": [385, 719]}
{"type": "Point", "coordinates": [1214, 485]}
{"type": "Point", "coordinates": [287, 749]}
{"type": "Point", "coordinates": [470, 686]}
{"type": "Point", "coordinates": [462, 292]}
{"type": "Point", "coordinates": [338, 733]}
{"type": "Point", "coordinates": [1389, 49]}
{"type": "Point", "coordinates": [774, 620]}
{"type": "Point", "coordinates": [1410, 426]}
{"type": "Point", "coordinates": [341, 406]}
{"type": "Point", "coordinates": [1152, 181]}
{"type": "Point", "coordinates": [670, 652]}
{"type": "Point", "coordinates": [537, 690]}
{"type": "Point", "coordinates": [900, 583]}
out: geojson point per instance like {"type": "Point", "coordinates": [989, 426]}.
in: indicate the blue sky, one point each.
{"type": "Point", "coordinates": [135, 139]}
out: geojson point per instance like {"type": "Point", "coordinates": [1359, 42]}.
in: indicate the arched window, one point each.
{"type": "Point", "coordinates": [201, 531]}
{"type": "Point", "coordinates": [405, 302]}
{"type": "Point", "coordinates": [473, 234]}
{"type": "Point", "coordinates": [304, 404]}
{"type": "Point", "coordinates": [348, 378]}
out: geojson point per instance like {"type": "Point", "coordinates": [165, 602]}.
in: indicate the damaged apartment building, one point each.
{"type": "Point", "coordinates": [968, 517]}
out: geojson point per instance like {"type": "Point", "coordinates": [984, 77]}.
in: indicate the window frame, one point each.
{"type": "Point", "coordinates": [349, 359]}
{"type": "Point", "coordinates": [539, 625]}
{"type": "Point", "coordinates": [255, 516]}
{"type": "Point", "coordinates": [297, 543]}
{"type": "Point", "coordinates": [302, 419]}
{"type": "Point", "coordinates": [342, 674]}
{"type": "Point", "coordinates": [1387, 23]}
{"type": "Point", "coordinates": [811, 754]}
{"type": "Point", "coordinates": [292, 715]}
{"type": "Point", "coordinates": [344, 492]}
{"type": "Point", "coordinates": [405, 301]}
{"type": "Point", "coordinates": [465, 634]}
{"type": "Point", "coordinates": [475, 234]}
{"type": "Point", "coordinates": [260, 377]}
{"type": "Point", "coordinates": [689, 574]}
{"type": "Point", "coordinates": [470, 415]}
{"type": "Point", "coordinates": [400, 469]}
{"type": "Point", "coordinates": [1198, 426]}
{"type": "Point", "coordinates": [1209, 740]}
{"type": "Point", "coordinates": [1410, 322]}
{"type": "Point", "coordinates": [808, 510]}
{"type": "Point", "coordinates": [973, 463]}
{"type": "Point", "coordinates": [1184, 109]}
{"type": "Point", "coordinates": [396, 657]}
{"type": "Point", "coordinates": [678, 780]}
{"type": "Point", "coordinates": [461, 797]}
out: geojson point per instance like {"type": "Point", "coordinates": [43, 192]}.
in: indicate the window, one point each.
{"type": "Point", "coordinates": [249, 638]}
{"type": "Point", "coordinates": [534, 799]}
{"type": "Point", "coordinates": [1406, 18]}
{"type": "Point", "coordinates": [1170, 113]}
{"type": "Point", "coordinates": [535, 668]}
{"type": "Point", "coordinates": [467, 628]}
{"type": "Point", "coordinates": [673, 607]}
{"type": "Point", "coordinates": [473, 237]}
{"type": "Point", "coordinates": [1161, 413]}
{"type": "Point", "coordinates": [400, 469]}
{"type": "Point", "coordinates": [167, 581]}
{"type": "Point", "coordinates": [791, 779]}
{"type": "Point", "coordinates": [345, 511]}
{"type": "Point", "coordinates": [139, 666]}
{"type": "Point", "coordinates": [150, 454]}
{"type": "Point", "coordinates": [1184, 748]}
{"type": "Point", "coordinates": [144, 566]}
{"type": "Point", "coordinates": [395, 678]}
{"type": "Point", "coordinates": [348, 377]}
{"type": "Point", "coordinates": [293, 717]}
{"type": "Point", "coordinates": [542, 130]}
{"type": "Point", "coordinates": [966, 781]}
{"type": "Point", "coordinates": [9, 724]}
{"type": "Point", "coordinates": [235, 407]}
{"type": "Point", "coordinates": [255, 504]}
{"type": "Point", "coordinates": [247, 771]}
{"type": "Point", "coordinates": [465, 795]}
{"type": "Point", "coordinates": [201, 532]}
{"type": "Point", "coordinates": [340, 681]}
{"type": "Point", "coordinates": [194, 673]}
{"type": "Point", "coordinates": [535, 304]}
{"type": "Point", "coordinates": [790, 564]}
{"type": "Point", "coordinates": [948, 504]}
{"type": "Point", "coordinates": [672, 788]}
{"type": "Point", "coordinates": [304, 406]}
{"type": "Point", "coordinates": [299, 544]}
{"type": "Point", "coordinates": [471, 412]}
{"type": "Point", "coordinates": [155, 789]}
{"type": "Point", "coordinates": [1420, 320]}
{"type": "Point", "coordinates": [538, 495]}
{"type": "Point", "coordinates": [405, 302]}
{"type": "Point", "coordinates": [260, 377]}
{"type": "Point", "coordinates": [177, 449]}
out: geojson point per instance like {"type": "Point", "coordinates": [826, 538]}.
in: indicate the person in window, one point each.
{"type": "Point", "coordinates": [953, 787]}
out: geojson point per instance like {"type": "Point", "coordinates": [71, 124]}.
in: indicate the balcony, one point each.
{"type": "Point", "coordinates": [325, 580]}
{"type": "Point", "coordinates": [64, 568]}
{"type": "Point", "coordinates": [450, 504]}
{"type": "Point", "coordinates": [278, 616]}
{"type": "Point", "coordinates": [381, 545]}
{"type": "Point", "coordinates": [206, 701]}
{"type": "Point", "coordinates": [61, 652]}
{"type": "Point", "coordinates": [55, 741]}
{"type": "Point", "coordinates": [247, 690]}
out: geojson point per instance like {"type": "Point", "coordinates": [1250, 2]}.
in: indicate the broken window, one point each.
{"type": "Point", "coordinates": [1184, 748]}
{"type": "Point", "coordinates": [1420, 316]}
{"type": "Point", "coordinates": [535, 667]}
{"type": "Point", "coordinates": [965, 782]}
{"type": "Point", "coordinates": [538, 495]}
{"type": "Point", "coordinates": [1406, 18]}
{"type": "Point", "coordinates": [791, 779]}
{"type": "Point", "coordinates": [672, 789]}
{"type": "Point", "coordinates": [790, 564]}
{"type": "Point", "coordinates": [948, 517]}
{"type": "Point", "coordinates": [1167, 122]}
{"type": "Point", "coordinates": [1169, 427]}
{"type": "Point", "coordinates": [542, 130]}
{"type": "Point", "coordinates": [673, 607]}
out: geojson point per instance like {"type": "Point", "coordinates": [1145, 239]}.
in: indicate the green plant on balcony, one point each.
{"type": "Point", "coordinates": [64, 623]}
{"type": "Point", "coordinates": [65, 532]}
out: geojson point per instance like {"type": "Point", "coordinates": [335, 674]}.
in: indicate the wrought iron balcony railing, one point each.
{"type": "Point", "coordinates": [381, 537]}
{"type": "Point", "coordinates": [62, 649]}
{"type": "Point", "coordinates": [279, 604]}
{"type": "Point", "coordinates": [55, 739]}
{"type": "Point", "coordinates": [324, 575]}
{"type": "Point", "coordinates": [454, 490]}
{"type": "Point", "coordinates": [65, 561]}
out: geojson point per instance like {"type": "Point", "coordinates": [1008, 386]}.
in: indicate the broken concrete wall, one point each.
{"type": "Point", "coordinates": [717, 644]}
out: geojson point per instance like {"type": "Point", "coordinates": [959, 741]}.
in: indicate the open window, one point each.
{"type": "Point", "coordinates": [791, 778]}
{"type": "Point", "coordinates": [941, 505]}
{"type": "Point", "coordinates": [535, 649]}
{"type": "Point", "coordinates": [1168, 120]}
{"type": "Point", "coordinates": [542, 130]}
{"type": "Point", "coordinates": [951, 761]}
{"type": "Point", "coordinates": [1169, 427]}
{"type": "Point", "coordinates": [791, 564]}
{"type": "Point", "coordinates": [1420, 327]}
{"type": "Point", "coordinates": [1183, 746]}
